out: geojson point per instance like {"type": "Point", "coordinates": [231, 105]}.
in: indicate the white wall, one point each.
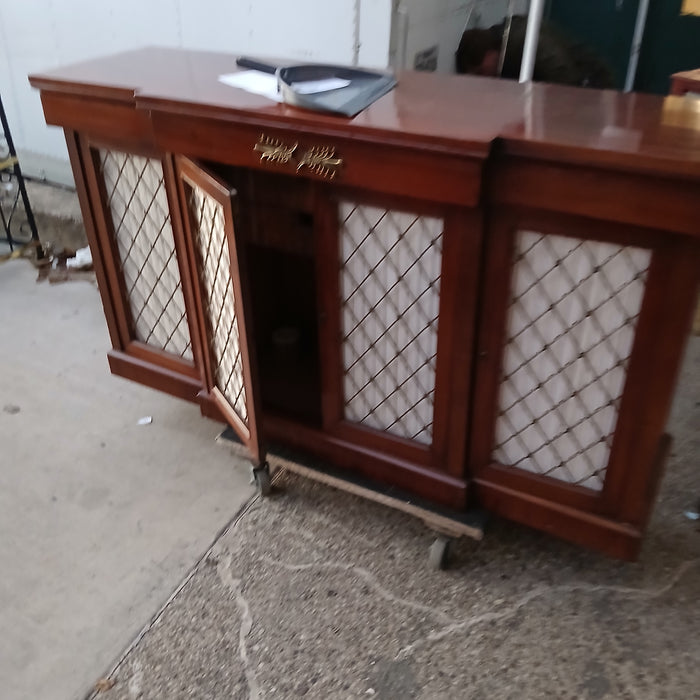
{"type": "Point", "coordinates": [37, 35]}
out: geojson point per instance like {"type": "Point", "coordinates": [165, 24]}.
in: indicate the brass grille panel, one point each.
{"type": "Point", "coordinates": [141, 219]}
{"type": "Point", "coordinates": [219, 298]}
{"type": "Point", "coordinates": [390, 289]}
{"type": "Point", "coordinates": [570, 327]}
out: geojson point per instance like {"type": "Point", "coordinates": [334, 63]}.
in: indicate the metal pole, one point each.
{"type": "Point", "coordinates": [532, 35]}
{"type": "Point", "coordinates": [401, 42]}
{"type": "Point", "coordinates": [17, 172]}
{"type": "Point", "coordinates": [636, 44]}
{"type": "Point", "coordinates": [356, 35]}
{"type": "Point", "coordinates": [506, 36]}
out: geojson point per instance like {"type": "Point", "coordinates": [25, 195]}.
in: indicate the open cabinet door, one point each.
{"type": "Point", "coordinates": [221, 299]}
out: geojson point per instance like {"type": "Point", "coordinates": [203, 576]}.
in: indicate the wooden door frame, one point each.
{"type": "Point", "coordinates": [129, 357]}
{"type": "Point", "coordinates": [190, 174]}
{"type": "Point", "coordinates": [614, 518]}
{"type": "Point", "coordinates": [461, 250]}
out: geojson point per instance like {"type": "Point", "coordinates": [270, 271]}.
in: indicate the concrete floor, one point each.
{"type": "Point", "coordinates": [315, 593]}
{"type": "Point", "coordinates": [100, 518]}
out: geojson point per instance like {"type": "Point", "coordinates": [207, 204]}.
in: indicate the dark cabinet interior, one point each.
{"type": "Point", "coordinates": [273, 216]}
{"type": "Point", "coordinates": [283, 296]}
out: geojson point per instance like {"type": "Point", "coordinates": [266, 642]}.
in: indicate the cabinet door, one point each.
{"type": "Point", "coordinates": [399, 286]}
{"type": "Point", "coordinates": [221, 298]}
{"type": "Point", "coordinates": [578, 353]}
{"type": "Point", "coordinates": [131, 215]}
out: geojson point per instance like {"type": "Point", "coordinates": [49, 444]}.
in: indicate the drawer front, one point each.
{"type": "Point", "coordinates": [628, 198]}
{"type": "Point", "coordinates": [398, 170]}
{"type": "Point", "coordinates": [118, 124]}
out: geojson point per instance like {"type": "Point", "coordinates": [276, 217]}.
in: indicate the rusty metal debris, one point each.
{"type": "Point", "coordinates": [55, 265]}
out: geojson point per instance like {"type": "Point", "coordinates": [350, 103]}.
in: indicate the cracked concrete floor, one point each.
{"type": "Point", "coordinates": [100, 517]}
{"type": "Point", "coordinates": [315, 593]}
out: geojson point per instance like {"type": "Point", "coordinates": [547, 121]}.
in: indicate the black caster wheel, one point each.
{"type": "Point", "coordinates": [262, 479]}
{"type": "Point", "coordinates": [439, 553]}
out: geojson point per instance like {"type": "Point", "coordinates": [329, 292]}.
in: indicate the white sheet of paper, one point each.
{"type": "Point", "coordinates": [254, 81]}
{"type": "Point", "coordinates": [309, 87]}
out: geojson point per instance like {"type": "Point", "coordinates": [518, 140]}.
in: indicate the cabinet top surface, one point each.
{"type": "Point", "coordinates": [629, 131]}
{"type": "Point", "coordinates": [423, 107]}
{"type": "Point", "coordinates": [602, 127]}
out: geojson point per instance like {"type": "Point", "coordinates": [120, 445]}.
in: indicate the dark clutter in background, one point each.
{"type": "Point", "coordinates": [558, 60]}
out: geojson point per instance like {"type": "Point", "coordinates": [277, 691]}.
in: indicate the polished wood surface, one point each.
{"type": "Point", "coordinates": [633, 467]}
{"type": "Point", "coordinates": [191, 175]}
{"type": "Point", "coordinates": [617, 539]}
{"type": "Point", "coordinates": [441, 110]}
{"type": "Point", "coordinates": [407, 170]}
{"type": "Point", "coordinates": [115, 124]}
{"type": "Point", "coordinates": [669, 204]}
{"type": "Point", "coordinates": [633, 132]}
{"type": "Point", "coordinates": [383, 467]}
{"type": "Point", "coordinates": [148, 373]}
{"type": "Point", "coordinates": [88, 213]}
{"type": "Point", "coordinates": [465, 113]}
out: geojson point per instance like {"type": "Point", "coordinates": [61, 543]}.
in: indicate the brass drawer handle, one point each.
{"type": "Point", "coordinates": [322, 161]}
{"type": "Point", "coordinates": [319, 159]}
{"type": "Point", "coordinates": [274, 150]}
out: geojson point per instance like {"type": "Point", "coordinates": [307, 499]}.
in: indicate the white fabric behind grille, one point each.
{"type": "Point", "coordinates": [141, 219]}
{"type": "Point", "coordinates": [570, 328]}
{"type": "Point", "coordinates": [220, 309]}
{"type": "Point", "coordinates": [390, 288]}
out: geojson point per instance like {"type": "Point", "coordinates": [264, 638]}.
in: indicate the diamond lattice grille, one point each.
{"type": "Point", "coordinates": [141, 220]}
{"type": "Point", "coordinates": [219, 298]}
{"type": "Point", "coordinates": [571, 327]}
{"type": "Point", "coordinates": [390, 288]}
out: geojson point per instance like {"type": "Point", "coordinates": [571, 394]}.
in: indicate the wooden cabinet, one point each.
{"type": "Point", "coordinates": [466, 306]}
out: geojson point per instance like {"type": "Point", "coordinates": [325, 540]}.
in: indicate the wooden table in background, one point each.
{"type": "Point", "coordinates": [685, 81]}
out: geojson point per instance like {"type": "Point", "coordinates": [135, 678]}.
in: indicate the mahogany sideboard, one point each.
{"type": "Point", "coordinates": [475, 291]}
